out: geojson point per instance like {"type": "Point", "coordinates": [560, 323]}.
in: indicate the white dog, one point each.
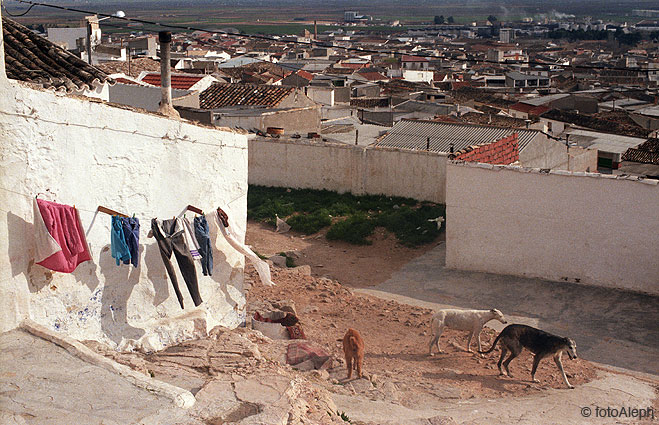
{"type": "Point", "coordinates": [463, 320]}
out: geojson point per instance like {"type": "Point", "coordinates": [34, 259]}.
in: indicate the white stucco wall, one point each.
{"type": "Point", "coordinates": [86, 153]}
{"type": "Point", "coordinates": [346, 168]}
{"type": "Point", "coordinates": [579, 227]}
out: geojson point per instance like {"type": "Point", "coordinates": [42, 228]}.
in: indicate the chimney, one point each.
{"type": "Point", "coordinates": [166, 108]}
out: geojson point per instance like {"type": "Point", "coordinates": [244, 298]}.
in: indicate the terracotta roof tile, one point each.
{"type": "Point", "coordinates": [219, 95]}
{"type": "Point", "coordinates": [179, 81]}
{"type": "Point", "coordinates": [30, 57]}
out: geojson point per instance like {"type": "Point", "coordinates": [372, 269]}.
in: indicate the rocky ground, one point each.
{"type": "Point", "coordinates": [241, 376]}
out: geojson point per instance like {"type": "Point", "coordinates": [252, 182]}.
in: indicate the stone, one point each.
{"type": "Point", "coordinates": [278, 261]}
{"type": "Point", "coordinates": [293, 254]}
{"type": "Point", "coordinates": [304, 270]}
{"type": "Point", "coordinates": [282, 226]}
{"type": "Point", "coordinates": [285, 305]}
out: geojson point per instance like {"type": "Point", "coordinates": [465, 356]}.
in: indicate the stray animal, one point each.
{"type": "Point", "coordinates": [353, 348]}
{"type": "Point", "coordinates": [542, 344]}
{"type": "Point", "coordinates": [463, 320]}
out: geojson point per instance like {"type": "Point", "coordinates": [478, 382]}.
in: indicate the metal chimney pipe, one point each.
{"type": "Point", "coordinates": [166, 107]}
{"type": "Point", "coordinates": [89, 42]}
{"type": "Point", "coordinates": [165, 39]}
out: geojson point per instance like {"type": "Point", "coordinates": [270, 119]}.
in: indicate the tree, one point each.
{"type": "Point", "coordinates": [439, 20]}
{"type": "Point", "coordinates": [492, 18]}
{"type": "Point", "coordinates": [450, 20]}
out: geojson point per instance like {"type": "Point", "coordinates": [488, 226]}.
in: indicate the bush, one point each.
{"type": "Point", "coordinates": [411, 226]}
{"type": "Point", "coordinates": [308, 211]}
{"type": "Point", "coordinates": [310, 223]}
{"type": "Point", "coordinates": [355, 229]}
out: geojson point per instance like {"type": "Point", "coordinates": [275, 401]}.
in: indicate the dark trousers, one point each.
{"type": "Point", "coordinates": [174, 242]}
{"type": "Point", "coordinates": [203, 237]}
{"type": "Point", "coordinates": [132, 235]}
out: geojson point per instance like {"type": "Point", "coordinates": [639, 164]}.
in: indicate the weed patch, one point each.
{"type": "Point", "coordinates": [308, 211]}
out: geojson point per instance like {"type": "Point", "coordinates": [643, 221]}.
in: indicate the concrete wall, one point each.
{"type": "Point", "coordinates": [586, 228]}
{"type": "Point", "coordinates": [322, 95]}
{"type": "Point", "coordinates": [140, 96]}
{"type": "Point", "coordinates": [544, 152]}
{"type": "Point", "coordinates": [346, 168]}
{"type": "Point", "coordinates": [86, 153]}
{"type": "Point", "coordinates": [299, 120]}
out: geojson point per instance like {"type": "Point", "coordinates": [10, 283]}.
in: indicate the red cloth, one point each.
{"type": "Point", "coordinates": [299, 352]}
{"type": "Point", "coordinates": [63, 224]}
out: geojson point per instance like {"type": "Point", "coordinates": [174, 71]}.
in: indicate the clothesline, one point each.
{"type": "Point", "coordinates": [95, 212]}
{"type": "Point", "coordinates": [184, 139]}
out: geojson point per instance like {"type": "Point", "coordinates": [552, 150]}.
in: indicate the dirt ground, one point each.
{"type": "Point", "coordinates": [396, 335]}
{"type": "Point", "coordinates": [356, 266]}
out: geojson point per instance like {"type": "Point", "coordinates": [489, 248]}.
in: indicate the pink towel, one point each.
{"type": "Point", "coordinates": [62, 222]}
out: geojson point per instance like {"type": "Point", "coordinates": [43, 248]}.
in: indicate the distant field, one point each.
{"type": "Point", "coordinates": [253, 16]}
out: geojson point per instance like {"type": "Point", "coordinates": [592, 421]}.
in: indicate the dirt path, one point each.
{"type": "Point", "coordinates": [396, 335]}
{"type": "Point", "coordinates": [352, 265]}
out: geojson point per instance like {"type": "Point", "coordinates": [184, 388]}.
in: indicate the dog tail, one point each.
{"type": "Point", "coordinates": [353, 343]}
{"type": "Point", "coordinates": [494, 344]}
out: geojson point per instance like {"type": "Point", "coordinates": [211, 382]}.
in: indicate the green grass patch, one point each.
{"type": "Point", "coordinates": [354, 229]}
{"type": "Point", "coordinates": [355, 217]}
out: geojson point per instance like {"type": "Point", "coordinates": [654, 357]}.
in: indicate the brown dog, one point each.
{"type": "Point", "coordinates": [353, 347]}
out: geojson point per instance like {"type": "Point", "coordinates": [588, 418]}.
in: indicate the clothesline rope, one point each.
{"type": "Point", "coordinates": [166, 136]}
{"type": "Point", "coordinates": [95, 212]}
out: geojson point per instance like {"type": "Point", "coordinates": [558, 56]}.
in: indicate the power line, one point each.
{"type": "Point", "coordinates": [313, 43]}
{"type": "Point", "coordinates": [20, 14]}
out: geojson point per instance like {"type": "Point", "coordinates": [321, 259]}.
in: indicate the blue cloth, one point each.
{"type": "Point", "coordinates": [132, 236]}
{"type": "Point", "coordinates": [120, 251]}
{"type": "Point", "coordinates": [204, 240]}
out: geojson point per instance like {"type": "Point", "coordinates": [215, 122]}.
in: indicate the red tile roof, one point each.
{"type": "Point", "coordinates": [219, 95]}
{"type": "Point", "coordinates": [179, 81]}
{"type": "Point", "coordinates": [373, 76]}
{"type": "Point", "coordinates": [529, 109]}
{"type": "Point", "coordinates": [123, 80]}
{"type": "Point", "coordinates": [503, 151]}
{"type": "Point", "coordinates": [32, 58]}
{"type": "Point", "coordinates": [411, 58]}
{"type": "Point", "coordinates": [306, 75]}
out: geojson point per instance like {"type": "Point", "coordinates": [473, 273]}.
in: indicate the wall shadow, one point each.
{"type": "Point", "coordinates": [156, 272]}
{"type": "Point", "coordinates": [119, 283]}
{"type": "Point", "coordinates": [20, 244]}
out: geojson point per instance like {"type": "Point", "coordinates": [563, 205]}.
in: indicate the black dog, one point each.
{"type": "Point", "coordinates": [516, 337]}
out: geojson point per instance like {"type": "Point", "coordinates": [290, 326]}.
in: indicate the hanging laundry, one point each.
{"type": "Point", "coordinates": [190, 239]}
{"type": "Point", "coordinates": [118, 245]}
{"type": "Point", "coordinates": [171, 238]}
{"type": "Point", "coordinates": [61, 244]}
{"type": "Point", "coordinates": [131, 227]}
{"type": "Point", "coordinates": [205, 249]}
{"type": "Point", "coordinates": [261, 266]}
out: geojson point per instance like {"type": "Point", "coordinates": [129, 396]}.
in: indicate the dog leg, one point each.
{"type": "Point", "coordinates": [471, 335]}
{"type": "Point", "coordinates": [536, 362]}
{"type": "Point", "coordinates": [559, 363]}
{"type": "Point", "coordinates": [513, 353]}
{"type": "Point", "coordinates": [358, 363]}
{"type": "Point", "coordinates": [504, 351]}
{"type": "Point", "coordinates": [439, 334]}
{"type": "Point", "coordinates": [349, 366]}
{"type": "Point", "coordinates": [478, 339]}
{"type": "Point", "coordinates": [434, 340]}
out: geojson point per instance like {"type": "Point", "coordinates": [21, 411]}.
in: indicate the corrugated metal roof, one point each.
{"type": "Point", "coordinates": [604, 142]}
{"type": "Point", "coordinates": [408, 134]}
